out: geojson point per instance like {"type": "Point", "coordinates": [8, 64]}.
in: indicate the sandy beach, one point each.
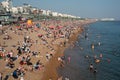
{"type": "Point", "coordinates": [54, 64]}
{"type": "Point", "coordinates": [31, 52]}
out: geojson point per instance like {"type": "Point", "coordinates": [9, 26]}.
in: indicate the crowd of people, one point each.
{"type": "Point", "coordinates": [26, 48]}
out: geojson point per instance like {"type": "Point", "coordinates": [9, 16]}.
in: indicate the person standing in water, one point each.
{"type": "Point", "coordinates": [101, 55]}
{"type": "Point", "coordinates": [92, 46]}
{"type": "Point", "coordinates": [91, 67]}
{"type": "Point", "coordinates": [69, 59]}
{"type": "Point", "coordinates": [95, 71]}
{"type": "Point", "coordinates": [99, 43]}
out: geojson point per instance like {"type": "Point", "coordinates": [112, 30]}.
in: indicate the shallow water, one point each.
{"type": "Point", "coordinates": [108, 34]}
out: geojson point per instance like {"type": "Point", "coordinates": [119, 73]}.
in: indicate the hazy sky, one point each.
{"type": "Point", "coordinates": [82, 8]}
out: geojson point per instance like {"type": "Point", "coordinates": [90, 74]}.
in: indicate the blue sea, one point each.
{"type": "Point", "coordinates": [105, 36]}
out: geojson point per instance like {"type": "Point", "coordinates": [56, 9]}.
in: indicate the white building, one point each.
{"type": "Point", "coordinates": [34, 10]}
{"type": "Point", "coordinates": [60, 14]}
{"type": "Point", "coordinates": [55, 14]}
{"type": "Point", "coordinates": [7, 5]}
{"type": "Point", "coordinates": [48, 12]}
{"type": "Point", "coordinates": [28, 9]}
{"type": "Point", "coordinates": [44, 12]}
{"type": "Point", "coordinates": [20, 9]}
{"type": "Point", "coordinates": [14, 10]}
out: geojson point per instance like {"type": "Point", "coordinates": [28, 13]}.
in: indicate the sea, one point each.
{"type": "Point", "coordinates": [105, 37]}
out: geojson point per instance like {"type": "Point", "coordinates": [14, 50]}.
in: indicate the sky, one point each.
{"type": "Point", "coordinates": [82, 8]}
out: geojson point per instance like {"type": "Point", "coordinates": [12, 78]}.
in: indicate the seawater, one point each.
{"type": "Point", "coordinates": [106, 39]}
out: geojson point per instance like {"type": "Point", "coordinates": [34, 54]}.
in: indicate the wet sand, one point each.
{"type": "Point", "coordinates": [53, 65]}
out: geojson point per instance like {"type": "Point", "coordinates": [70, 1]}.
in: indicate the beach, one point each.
{"type": "Point", "coordinates": [30, 51]}
{"type": "Point", "coordinates": [54, 64]}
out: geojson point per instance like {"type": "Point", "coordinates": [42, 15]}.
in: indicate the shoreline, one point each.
{"type": "Point", "coordinates": [52, 67]}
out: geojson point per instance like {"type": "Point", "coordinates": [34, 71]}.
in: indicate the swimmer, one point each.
{"type": "Point", "coordinates": [86, 56]}
{"type": "Point", "coordinates": [99, 43]}
{"type": "Point", "coordinates": [92, 46]}
{"type": "Point", "coordinates": [95, 56]}
{"type": "Point", "coordinates": [108, 60]}
{"type": "Point", "coordinates": [81, 48]}
{"type": "Point", "coordinates": [101, 55]}
{"type": "Point", "coordinates": [97, 60]}
{"type": "Point", "coordinates": [69, 58]}
{"type": "Point", "coordinates": [91, 67]}
{"type": "Point", "coordinates": [95, 71]}
{"type": "Point", "coordinates": [85, 36]}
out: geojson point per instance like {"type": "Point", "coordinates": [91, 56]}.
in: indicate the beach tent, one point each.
{"type": "Point", "coordinates": [29, 23]}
